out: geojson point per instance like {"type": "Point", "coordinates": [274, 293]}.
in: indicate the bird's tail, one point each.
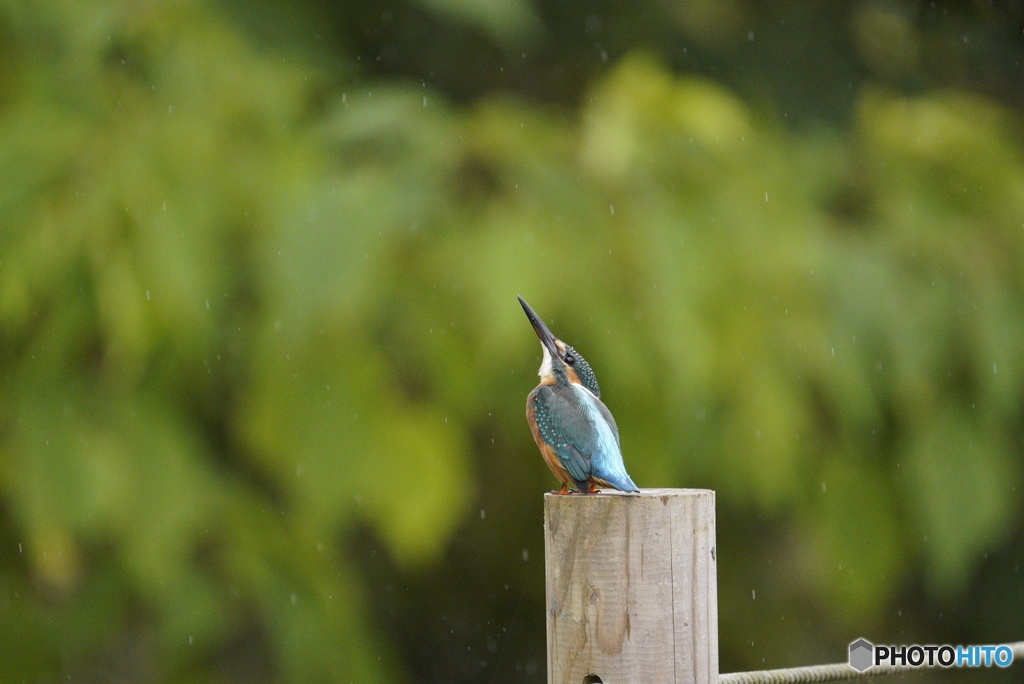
{"type": "Point", "coordinates": [624, 483]}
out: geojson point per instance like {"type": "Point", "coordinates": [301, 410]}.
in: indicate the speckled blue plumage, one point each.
{"type": "Point", "coordinates": [582, 432]}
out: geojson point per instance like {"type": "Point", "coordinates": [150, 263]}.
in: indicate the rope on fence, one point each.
{"type": "Point", "coordinates": [835, 672]}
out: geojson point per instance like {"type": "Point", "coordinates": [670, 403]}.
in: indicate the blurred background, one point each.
{"type": "Point", "coordinates": [263, 372]}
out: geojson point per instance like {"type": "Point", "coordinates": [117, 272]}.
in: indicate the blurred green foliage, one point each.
{"type": "Point", "coordinates": [262, 370]}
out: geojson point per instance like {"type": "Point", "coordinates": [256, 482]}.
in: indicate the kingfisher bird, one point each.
{"type": "Point", "coordinates": [574, 430]}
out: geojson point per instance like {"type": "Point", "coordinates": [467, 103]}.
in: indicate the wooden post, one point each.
{"type": "Point", "coordinates": [631, 587]}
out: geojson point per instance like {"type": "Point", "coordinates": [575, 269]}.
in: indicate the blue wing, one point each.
{"type": "Point", "coordinates": [582, 432]}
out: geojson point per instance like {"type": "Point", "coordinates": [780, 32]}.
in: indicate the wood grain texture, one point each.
{"type": "Point", "coordinates": [632, 587]}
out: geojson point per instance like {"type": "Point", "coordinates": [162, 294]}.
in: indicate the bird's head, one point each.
{"type": "Point", "coordinates": [561, 362]}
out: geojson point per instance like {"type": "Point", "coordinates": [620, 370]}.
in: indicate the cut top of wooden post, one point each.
{"type": "Point", "coordinates": [631, 586]}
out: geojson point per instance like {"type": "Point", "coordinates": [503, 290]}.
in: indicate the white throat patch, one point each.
{"type": "Point", "coordinates": [545, 366]}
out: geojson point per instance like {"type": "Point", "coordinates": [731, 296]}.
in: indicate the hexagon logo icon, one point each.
{"type": "Point", "coordinates": [861, 654]}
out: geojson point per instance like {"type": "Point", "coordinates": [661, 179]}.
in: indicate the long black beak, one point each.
{"type": "Point", "coordinates": [546, 338]}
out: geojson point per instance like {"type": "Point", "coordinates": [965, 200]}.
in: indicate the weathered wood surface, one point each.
{"type": "Point", "coordinates": [632, 587]}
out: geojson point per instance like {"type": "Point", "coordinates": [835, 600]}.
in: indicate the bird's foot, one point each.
{"type": "Point", "coordinates": [564, 490]}
{"type": "Point", "coordinates": [594, 490]}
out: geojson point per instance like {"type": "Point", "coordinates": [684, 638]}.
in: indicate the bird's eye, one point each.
{"type": "Point", "coordinates": [570, 359]}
